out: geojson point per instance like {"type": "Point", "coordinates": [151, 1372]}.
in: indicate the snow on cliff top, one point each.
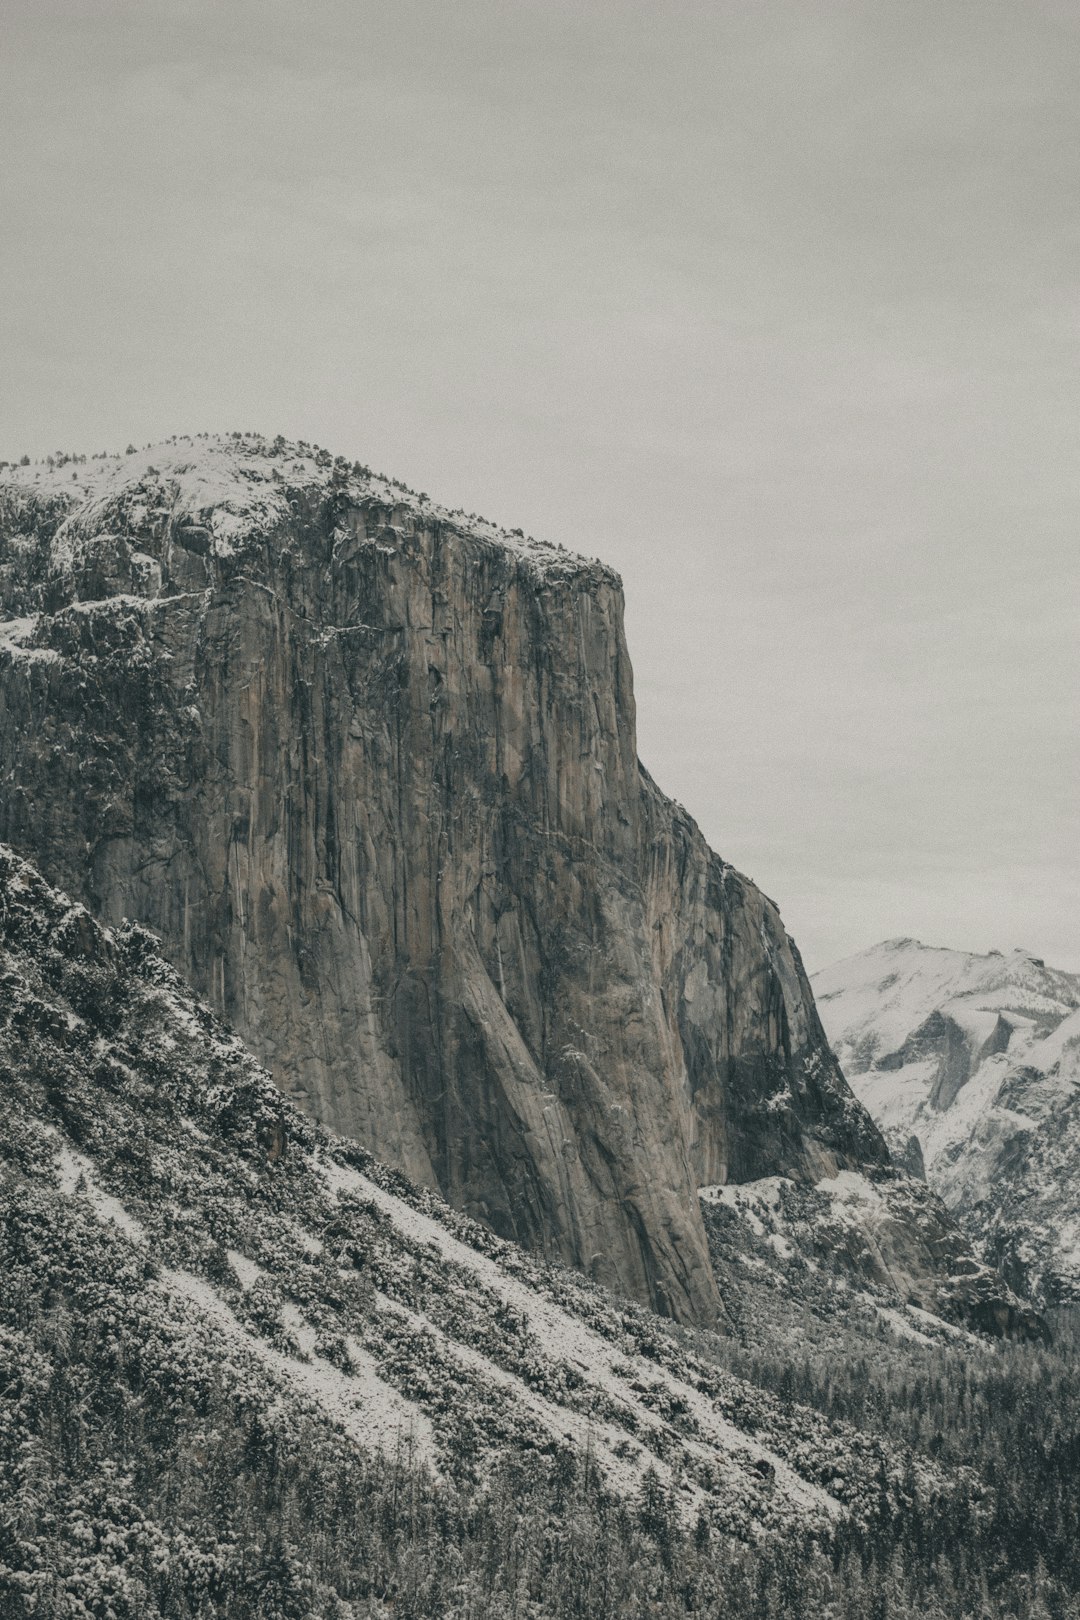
{"type": "Point", "coordinates": [891, 989]}
{"type": "Point", "coordinates": [234, 485]}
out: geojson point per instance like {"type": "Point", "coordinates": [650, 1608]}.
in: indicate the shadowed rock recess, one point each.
{"type": "Point", "coordinates": [369, 769]}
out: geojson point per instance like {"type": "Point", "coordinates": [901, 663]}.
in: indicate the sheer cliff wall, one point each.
{"type": "Point", "coordinates": [369, 769]}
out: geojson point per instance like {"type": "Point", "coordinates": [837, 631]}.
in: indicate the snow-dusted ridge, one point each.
{"type": "Point", "coordinates": [870, 1003]}
{"type": "Point", "coordinates": [231, 489]}
{"type": "Point", "coordinates": [850, 1246]}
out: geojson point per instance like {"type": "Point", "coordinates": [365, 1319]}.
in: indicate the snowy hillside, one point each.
{"type": "Point", "coordinates": [971, 1066]}
{"type": "Point", "coordinates": [156, 1183]}
{"type": "Point", "coordinates": [246, 1370]}
{"type": "Point", "coordinates": [868, 1252]}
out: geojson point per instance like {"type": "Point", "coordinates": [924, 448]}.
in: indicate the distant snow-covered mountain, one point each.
{"type": "Point", "coordinates": [971, 1066]}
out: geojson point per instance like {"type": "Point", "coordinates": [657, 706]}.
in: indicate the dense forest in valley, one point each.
{"type": "Point", "coordinates": [134, 1486]}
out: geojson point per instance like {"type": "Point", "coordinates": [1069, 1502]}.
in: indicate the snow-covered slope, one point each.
{"type": "Point", "coordinates": [153, 1179]}
{"type": "Point", "coordinates": [971, 1065]}
{"type": "Point", "coordinates": [870, 1249]}
{"type": "Point", "coordinates": [229, 488]}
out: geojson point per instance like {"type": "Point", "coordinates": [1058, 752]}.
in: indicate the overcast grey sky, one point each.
{"type": "Point", "coordinates": [776, 307]}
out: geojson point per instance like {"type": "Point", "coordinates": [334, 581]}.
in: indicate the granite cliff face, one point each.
{"type": "Point", "coordinates": [368, 768]}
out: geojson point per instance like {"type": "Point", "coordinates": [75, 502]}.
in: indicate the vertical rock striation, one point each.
{"type": "Point", "coordinates": [369, 769]}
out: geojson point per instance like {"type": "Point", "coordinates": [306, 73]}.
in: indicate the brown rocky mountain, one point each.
{"type": "Point", "coordinates": [369, 769]}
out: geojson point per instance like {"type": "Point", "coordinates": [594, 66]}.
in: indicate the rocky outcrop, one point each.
{"type": "Point", "coordinates": [886, 1238]}
{"type": "Point", "coordinates": [369, 769]}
